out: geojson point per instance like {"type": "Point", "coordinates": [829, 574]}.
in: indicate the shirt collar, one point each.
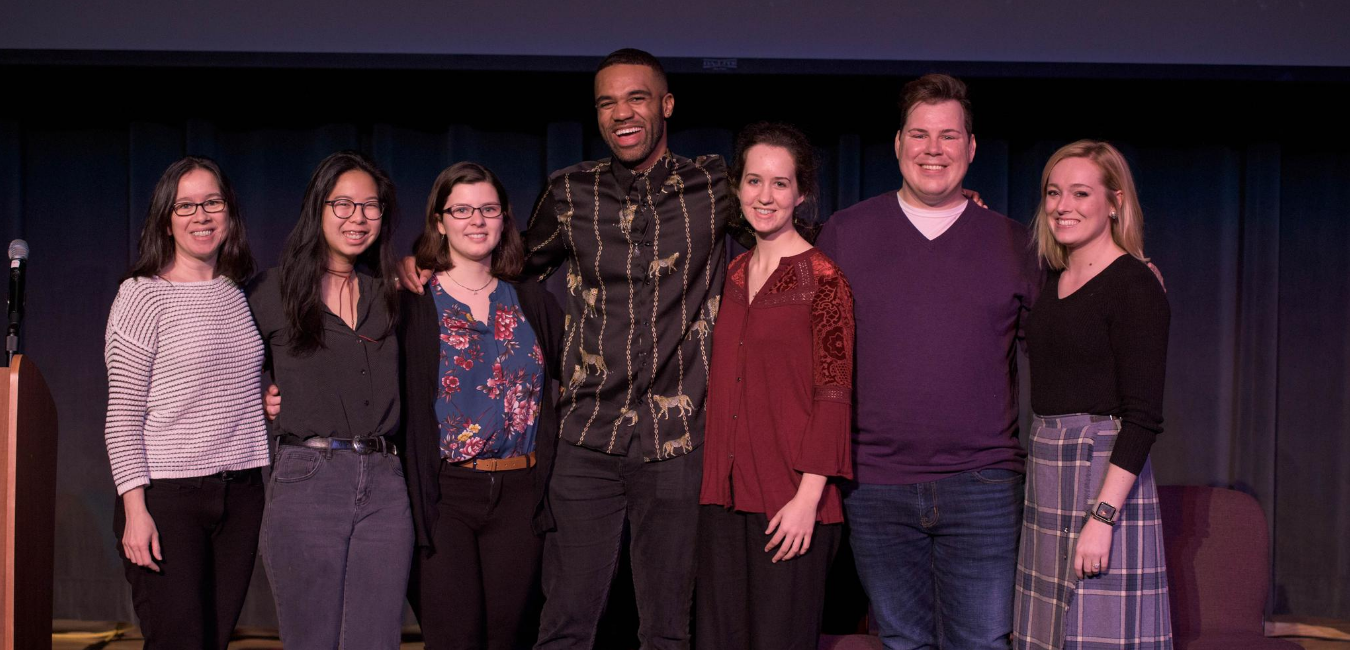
{"type": "Point", "coordinates": [658, 173]}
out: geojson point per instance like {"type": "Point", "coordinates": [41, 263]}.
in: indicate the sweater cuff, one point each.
{"type": "Point", "coordinates": [130, 483]}
{"type": "Point", "coordinates": [1132, 446]}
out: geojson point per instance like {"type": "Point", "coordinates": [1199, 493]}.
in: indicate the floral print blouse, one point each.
{"type": "Point", "coordinates": [492, 378]}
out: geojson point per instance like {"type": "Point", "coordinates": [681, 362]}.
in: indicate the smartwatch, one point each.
{"type": "Point", "coordinates": [1105, 513]}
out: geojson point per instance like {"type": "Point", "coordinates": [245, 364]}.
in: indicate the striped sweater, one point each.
{"type": "Point", "coordinates": [184, 365]}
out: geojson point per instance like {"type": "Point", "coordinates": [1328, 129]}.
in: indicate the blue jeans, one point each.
{"type": "Point", "coordinates": [337, 542]}
{"type": "Point", "coordinates": [938, 559]}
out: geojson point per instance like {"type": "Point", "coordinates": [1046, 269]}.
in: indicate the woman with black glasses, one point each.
{"type": "Point", "coordinates": [337, 537]}
{"type": "Point", "coordinates": [480, 350]}
{"type": "Point", "coordinates": [184, 428]}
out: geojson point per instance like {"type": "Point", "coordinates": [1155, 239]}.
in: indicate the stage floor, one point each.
{"type": "Point", "coordinates": [112, 635]}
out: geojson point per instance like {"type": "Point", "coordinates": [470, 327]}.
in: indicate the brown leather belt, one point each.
{"type": "Point", "coordinates": [499, 464]}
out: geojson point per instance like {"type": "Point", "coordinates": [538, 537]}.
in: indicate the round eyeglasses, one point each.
{"type": "Point", "coordinates": [188, 208]}
{"type": "Point", "coordinates": [463, 211]}
{"type": "Point", "coordinates": [345, 208]}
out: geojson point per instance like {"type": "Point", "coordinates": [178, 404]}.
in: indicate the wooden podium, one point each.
{"type": "Point", "coordinates": [27, 506]}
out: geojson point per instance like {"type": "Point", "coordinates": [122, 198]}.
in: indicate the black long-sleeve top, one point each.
{"type": "Point", "coordinates": [348, 388]}
{"type": "Point", "coordinates": [1103, 350]}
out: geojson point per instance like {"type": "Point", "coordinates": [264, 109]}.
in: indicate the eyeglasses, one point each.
{"type": "Point", "coordinates": [462, 211]}
{"type": "Point", "coordinates": [345, 208]}
{"type": "Point", "coordinates": [187, 208]}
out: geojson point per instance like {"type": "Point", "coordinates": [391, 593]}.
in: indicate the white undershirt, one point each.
{"type": "Point", "coordinates": [931, 223]}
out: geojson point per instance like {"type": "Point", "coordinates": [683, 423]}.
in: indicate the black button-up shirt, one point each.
{"type": "Point", "coordinates": [646, 258]}
{"type": "Point", "coordinates": [346, 389]}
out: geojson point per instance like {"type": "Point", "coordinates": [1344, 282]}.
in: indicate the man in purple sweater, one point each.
{"type": "Point", "coordinates": [941, 287]}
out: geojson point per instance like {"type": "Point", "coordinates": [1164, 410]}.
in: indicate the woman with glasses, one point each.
{"type": "Point", "coordinates": [1091, 570]}
{"type": "Point", "coordinates": [337, 537]}
{"type": "Point", "coordinates": [184, 428]}
{"type": "Point", "coordinates": [479, 371]}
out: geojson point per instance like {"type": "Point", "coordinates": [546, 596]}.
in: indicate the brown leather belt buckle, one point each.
{"type": "Point", "coordinates": [499, 464]}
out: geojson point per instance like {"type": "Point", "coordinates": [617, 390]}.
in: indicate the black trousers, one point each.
{"type": "Point", "coordinates": [744, 600]}
{"type": "Point", "coordinates": [480, 586]}
{"type": "Point", "coordinates": [208, 535]}
{"type": "Point", "coordinates": [593, 495]}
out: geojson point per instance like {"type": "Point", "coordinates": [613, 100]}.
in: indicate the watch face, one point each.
{"type": "Point", "coordinates": [1106, 510]}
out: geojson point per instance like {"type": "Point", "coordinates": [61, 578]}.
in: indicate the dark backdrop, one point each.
{"type": "Point", "coordinates": [1249, 32]}
{"type": "Point", "coordinates": [1244, 176]}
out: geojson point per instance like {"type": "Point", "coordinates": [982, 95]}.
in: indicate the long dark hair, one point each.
{"type": "Point", "coordinates": [431, 248]}
{"type": "Point", "coordinates": [305, 258]}
{"type": "Point", "coordinates": [234, 260]}
{"type": "Point", "coordinates": [804, 162]}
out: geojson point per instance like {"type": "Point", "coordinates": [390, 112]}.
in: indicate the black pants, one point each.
{"type": "Point", "coordinates": [745, 601]}
{"type": "Point", "coordinates": [480, 587]}
{"type": "Point", "coordinates": [208, 535]}
{"type": "Point", "coordinates": [592, 495]}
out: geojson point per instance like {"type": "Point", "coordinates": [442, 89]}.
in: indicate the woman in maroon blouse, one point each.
{"type": "Point", "coordinates": [778, 418]}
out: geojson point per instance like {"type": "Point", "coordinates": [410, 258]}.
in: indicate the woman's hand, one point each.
{"type": "Point", "coordinates": [140, 538]}
{"type": "Point", "coordinates": [795, 523]}
{"type": "Point", "coordinates": [272, 402]}
{"type": "Point", "coordinates": [974, 197]}
{"type": "Point", "coordinates": [1093, 553]}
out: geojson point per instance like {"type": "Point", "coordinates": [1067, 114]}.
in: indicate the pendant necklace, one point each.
{"type": "Point", "coordinates": [475, 291]}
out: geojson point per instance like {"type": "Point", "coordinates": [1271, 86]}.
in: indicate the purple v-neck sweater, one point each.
{"type": "Point", "coordinates": [937, 325]}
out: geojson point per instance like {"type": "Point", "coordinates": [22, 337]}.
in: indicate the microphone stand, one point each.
{"type": "Point", "coordinates": [11, 343]}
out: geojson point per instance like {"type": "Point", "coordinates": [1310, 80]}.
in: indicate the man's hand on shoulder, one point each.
{"type": "Point", "coordinates": [410, 277]}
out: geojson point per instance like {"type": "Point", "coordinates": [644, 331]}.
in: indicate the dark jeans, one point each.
{"type": "Point", "coordinates": [938, 559]}
{"type": "Point", "coordinates": [480, 588]}
{"type": "Point", "coordinates": [744, 600]}
{"type": "Point", "coordinates": [592, 495]}
{"type": "Point", "coordinates": [208, 535]}
{"type": "Point", "coordinates": [337, 543]}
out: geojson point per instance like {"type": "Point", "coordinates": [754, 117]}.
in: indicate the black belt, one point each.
{"type": "Point", "coordinates": [362, 446]}
{"type": "Point", "coordinates": [232, 475]}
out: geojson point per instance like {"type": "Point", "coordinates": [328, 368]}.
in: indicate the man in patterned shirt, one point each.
{"type": "Point", "coordinates": [642, 236]}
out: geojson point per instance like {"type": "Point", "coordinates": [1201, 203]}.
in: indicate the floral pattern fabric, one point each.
{"type": "Point", "coordinates": [492, 378]}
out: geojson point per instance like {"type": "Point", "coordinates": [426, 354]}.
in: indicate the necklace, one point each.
{"type": "Point", "coordinates": [345, 290]}
{"type": "Point", "coordinates": [475, 291]}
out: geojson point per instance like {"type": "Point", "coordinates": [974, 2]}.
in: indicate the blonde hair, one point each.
{"type": "Point", "coordinates": [1127, 229]}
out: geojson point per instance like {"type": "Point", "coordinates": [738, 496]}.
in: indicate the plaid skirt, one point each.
{"type": "Point", "coordinates": [1126, 605]}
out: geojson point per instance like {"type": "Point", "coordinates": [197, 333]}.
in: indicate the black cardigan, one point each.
{"type": "Point", "coordinates": [419, 332]}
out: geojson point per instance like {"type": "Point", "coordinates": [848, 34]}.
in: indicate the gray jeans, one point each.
{"type": "Point", "coordinates": [337, 542]}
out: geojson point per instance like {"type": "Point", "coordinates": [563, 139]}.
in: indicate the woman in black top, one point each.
{"type": "Point", "coordinates": [337, 535]}
{"type": "Point", "coordinates": [480, 350]}
{"type": "Point", "coordinates": [1091, 561]}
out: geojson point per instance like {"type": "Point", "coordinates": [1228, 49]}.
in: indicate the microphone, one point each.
{"type": "Point", "coordinates": [18, 262]}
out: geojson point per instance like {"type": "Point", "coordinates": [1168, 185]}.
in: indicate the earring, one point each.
{"type": "Point", "coordinates": [1113, 216]}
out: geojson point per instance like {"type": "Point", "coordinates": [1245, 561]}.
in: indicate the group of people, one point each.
{"type": "Point", "coordinates": [464, 440]}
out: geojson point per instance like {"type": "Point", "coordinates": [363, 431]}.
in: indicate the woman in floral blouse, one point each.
{"type": "Point", "coordinates": [479, 356]}
{"type": "Point", "coordinates": [779, 401]}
